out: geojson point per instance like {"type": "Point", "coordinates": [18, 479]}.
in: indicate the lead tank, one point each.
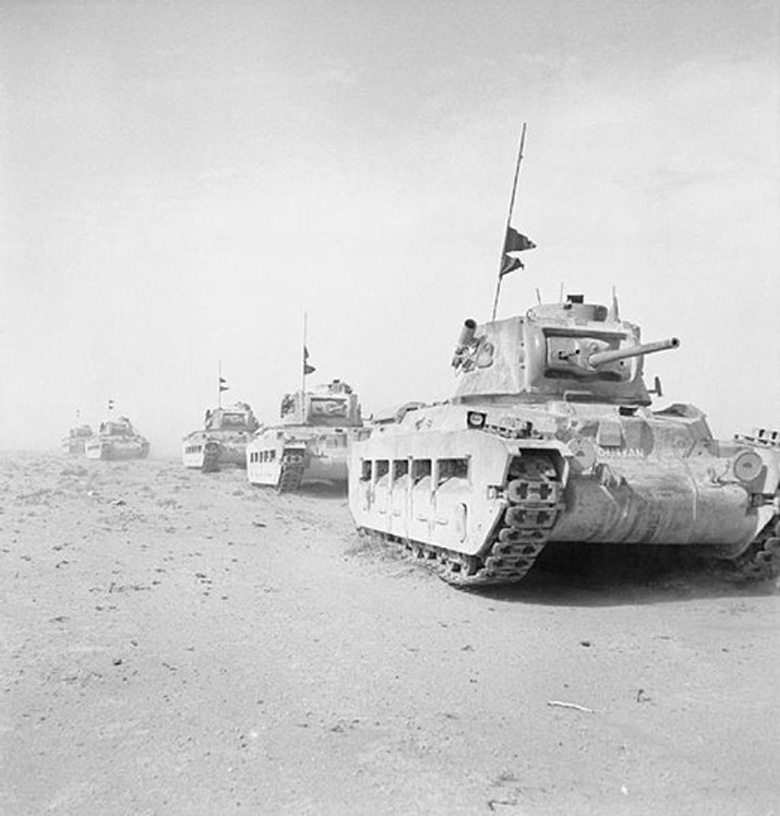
{"type": "Point", "coordinates": [550, 437]}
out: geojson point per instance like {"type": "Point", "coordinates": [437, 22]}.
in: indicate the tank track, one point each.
{"type": "Point", "coordinates": [210, 458]}
{"type": "Point", "coordinates": [290, 476]}
{"type": "Point", "coordinates": [534, 495]}
{"type": "Point", "coordinates": [761, 560]}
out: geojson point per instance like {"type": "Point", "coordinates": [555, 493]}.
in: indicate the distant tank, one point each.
{"type": "Point", "coordinates": [311, 442]}
{"type": "Point", "coordinates": [117, 439]}
{"type": "Point", "coordinates": [75, 442]}
{"type": "Point", "coordinates": [550, 437]}
{"type": "Point", "coordinates": [223, 439]}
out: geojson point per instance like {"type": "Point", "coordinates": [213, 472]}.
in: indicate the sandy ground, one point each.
{"type": "Point", "coordinates": [174, 642]}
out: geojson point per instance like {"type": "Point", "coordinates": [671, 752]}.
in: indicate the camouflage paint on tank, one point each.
{"type": "Point", "coordinates": [550, 436]}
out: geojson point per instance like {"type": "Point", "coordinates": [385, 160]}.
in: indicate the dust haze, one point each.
{"type": "Point", "coordinates": [180, 183]}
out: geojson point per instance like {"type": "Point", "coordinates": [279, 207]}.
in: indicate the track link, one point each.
{"type": "Point", "coordinates": [210, 458]}
{"type": "Point", "coordinates": [290, 475]}
{"type": "Point", "coordinates": [535, 498]}
{"type": "Point", "coordinates": [761, 560]}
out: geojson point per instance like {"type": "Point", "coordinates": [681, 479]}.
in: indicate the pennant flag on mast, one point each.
{"type": "Point", "coordinates": [514, 242]}
{"type": "Point", "coordinates": [223, 385]}
{"type": "Point", "coordinates": [111, 405]}
{"type": "Point", "coordinates": [307, 369]}
{"type": "Point", "coordinates": [510, 264]}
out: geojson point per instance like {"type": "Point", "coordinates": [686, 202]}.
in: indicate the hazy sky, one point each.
{"type": "Point", "coordinates": [181, 180]}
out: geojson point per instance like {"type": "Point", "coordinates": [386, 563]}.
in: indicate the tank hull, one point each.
{"type": "Point", "coordinates": [655, 501]}
{"type": "Point", "coordinates": [212, 450]}
{"type": "Point", "coordinates": [529, 475]}
{"type": "Point", "coordinates": [76, 440]}
{"type": "Point", "coordinates": [288, 457]}
{"type": "Point", "coordinates": [223, 439]}
{"type": "Point", "coordinates": [74, 446]}
{"type": "Point", "coordinates": [117, 448]}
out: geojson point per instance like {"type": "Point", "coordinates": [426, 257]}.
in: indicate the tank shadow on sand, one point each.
{"type": "Point", "coordinates": [594, 575]}
{"type": "Point", "coordinates": [324, 490]}
{"type": "Point", "coordinates": [617, 575]}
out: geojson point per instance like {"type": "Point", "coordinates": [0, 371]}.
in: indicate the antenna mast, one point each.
{"type": "Point", "coordinates": [508, 221]}
{"type": "Point", "coordinates": [303, 357]}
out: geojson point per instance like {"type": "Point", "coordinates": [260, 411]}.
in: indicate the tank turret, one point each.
{"type": "Point", "coordinates": [571, 350]}
{"type": "Point", "coordinates": [237, 417]}
{"type": "Point", "coordinates": [333, 404]}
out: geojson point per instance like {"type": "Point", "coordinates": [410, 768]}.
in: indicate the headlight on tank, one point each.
{"type": "Point", "coordinates": [747, 465]}
{"type": "Point", "coordinates": [476, 420]}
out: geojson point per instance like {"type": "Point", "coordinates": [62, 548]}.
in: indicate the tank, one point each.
{"type": "Point", "coordinates": [75, 442]}
{"type": "Point", "coordinates": [311, 442]}
{"type": "Point", "coordinates": [117, 439]}
{"type": "Point", "coordinates": [550, 436]}
{"type": "Point", "coordinates": [223, 440]}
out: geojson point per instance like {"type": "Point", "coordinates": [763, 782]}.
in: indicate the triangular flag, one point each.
{"type": "Point", "coordinates": [509, 264]}
{"type": "Point", "coordinates": [516, 242]}
{"type": "Point", "coordinates": [307, 369]}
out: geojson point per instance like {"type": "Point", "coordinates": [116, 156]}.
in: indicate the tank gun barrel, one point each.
{"type": "Point", "coordinates": [600, 358]}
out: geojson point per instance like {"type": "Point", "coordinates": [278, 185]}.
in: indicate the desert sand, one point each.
{"type": "Point", "coordinates": [181, 643]}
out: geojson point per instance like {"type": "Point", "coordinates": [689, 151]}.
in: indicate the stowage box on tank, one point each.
{"type": "Point", "coordinates": [550, 437]}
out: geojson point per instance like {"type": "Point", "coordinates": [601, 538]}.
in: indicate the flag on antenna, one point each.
{"type": "Point", "coordinates": [514, 242]}
{"type": "Point", "coordinates": [223, 385]}
{"type": "Point", "coordinates": [307, 369]}
{"type": "Point", "coordinates": [111, 405]}
{"type": "Point", "coordinates": [509, 264]}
